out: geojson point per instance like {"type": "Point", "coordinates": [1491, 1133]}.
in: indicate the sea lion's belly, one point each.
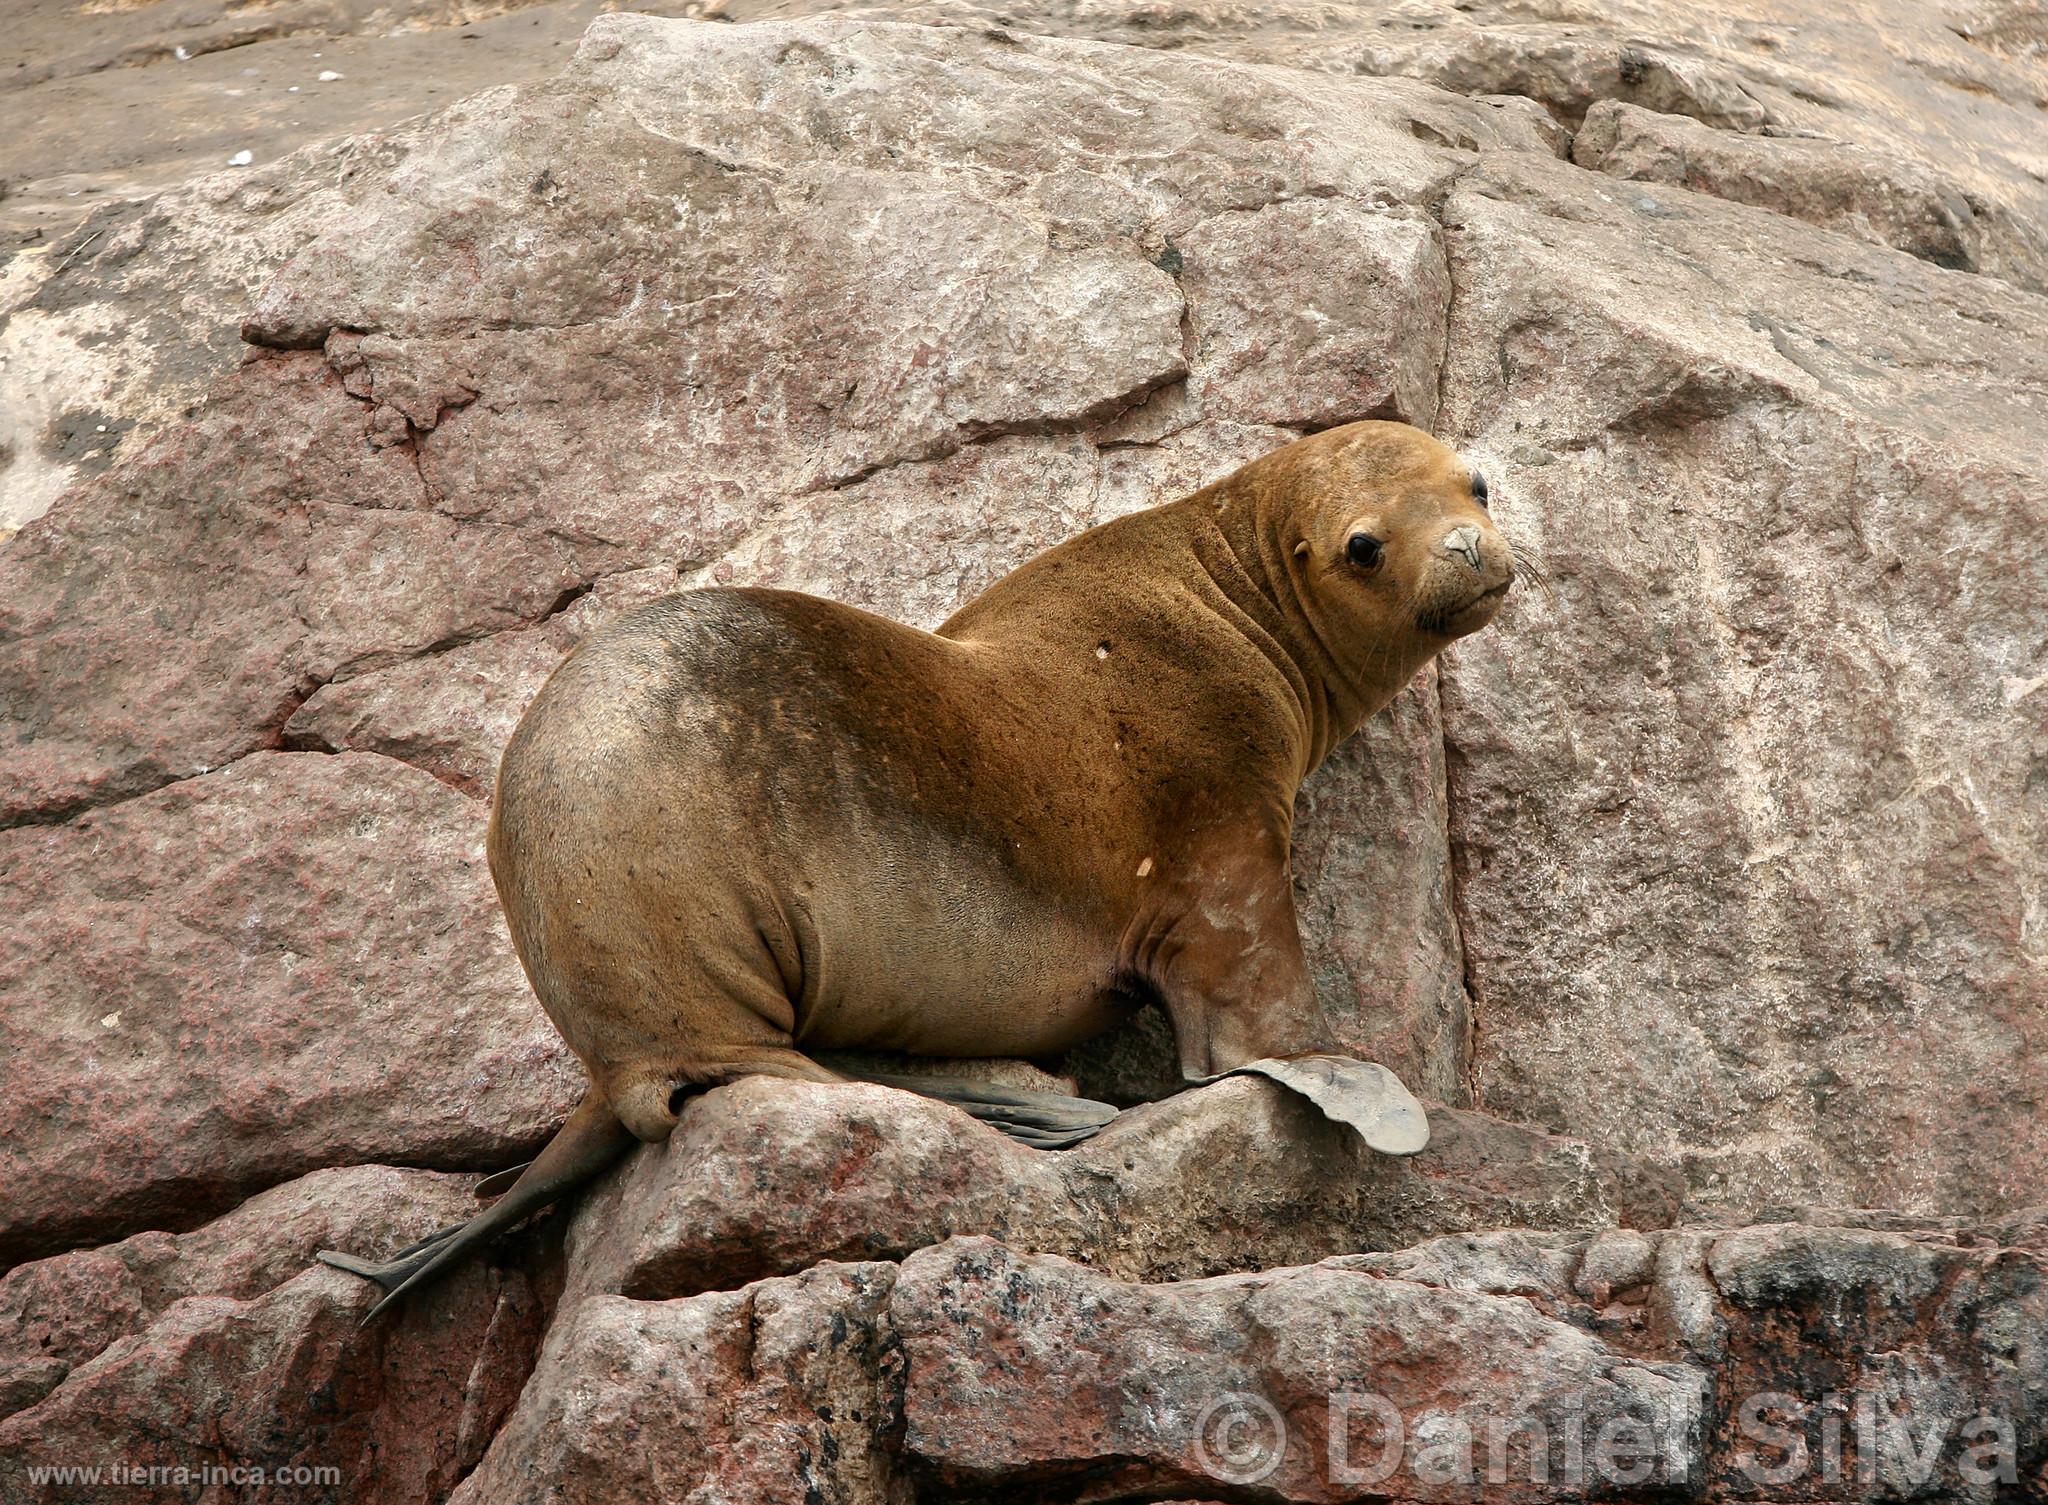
{"type": "Point", "coordinates": [751, 803]}
{"type": "Point", "coordinates": [938, 958]}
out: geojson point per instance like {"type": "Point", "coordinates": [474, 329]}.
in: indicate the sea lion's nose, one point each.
{"type": "Point", "coordinates": [1464, 541]}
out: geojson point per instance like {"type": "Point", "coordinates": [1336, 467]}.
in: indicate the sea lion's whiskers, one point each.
{"type": "Point", "coordinates": [1530, 566]}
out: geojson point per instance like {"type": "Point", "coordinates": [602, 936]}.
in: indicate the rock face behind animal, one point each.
{"type": "Point", "coordinates": [1708, 892]}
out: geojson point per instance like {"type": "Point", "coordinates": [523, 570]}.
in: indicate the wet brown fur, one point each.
{"type": "Point", "coordinates": [737, 826]}
{"type": "Point", "coordinates": [740, 824]}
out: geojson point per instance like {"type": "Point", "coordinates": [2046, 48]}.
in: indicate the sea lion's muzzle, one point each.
{"type": "Point", "coordinates": [1472, 574]}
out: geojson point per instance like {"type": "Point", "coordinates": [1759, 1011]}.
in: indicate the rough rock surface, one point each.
{"type": "Point", "coordinates": [416, 490]}
{"type": "Point", "coordinates": [1714, 871]}
{"type": "Point", "coordinates": [223, 1349]}
{"type": "Point", "coordinates": [1232, 1177]}
{"type": "Point", "coordinates": [1498, 1367]}
{"type": "Point", "coordinates": [1918, 209]}
{"type": "Point", "coordinates": [414, 477]}
{"type": "Point", "coordinates": [294, 962]}
{"type": "Point", "coordinates": [1946, 95]}
{"type": "Point", "coordinates": [1747, 814]}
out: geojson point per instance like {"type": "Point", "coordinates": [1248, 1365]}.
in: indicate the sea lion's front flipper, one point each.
{"type": "Point", "coordinates": [1043, 1120]}
{"type": "Point", "coordinates": [1362, 1094]}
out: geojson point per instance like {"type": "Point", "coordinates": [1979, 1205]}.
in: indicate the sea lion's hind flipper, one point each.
{"type": "Point", "coordinates": [1363, 1095]}
{"type": "Point", "coordinates": [1043, 1120]}
{"type": "Point", "coordinates": [392, 1272]}
{"type": "Point", "coordinates": [582, 1148]}
{"type": "Point", "coordinates": [499, 1182]}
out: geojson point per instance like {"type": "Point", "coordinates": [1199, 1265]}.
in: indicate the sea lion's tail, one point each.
{"type": "Point", "coordinates": [582, 1148]}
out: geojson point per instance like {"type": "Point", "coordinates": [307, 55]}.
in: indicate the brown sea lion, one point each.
{"type": "Point", "coordinates": [739, 826]}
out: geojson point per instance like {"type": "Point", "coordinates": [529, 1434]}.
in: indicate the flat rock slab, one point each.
{"type": "Point", "coordinates": [292, 963]}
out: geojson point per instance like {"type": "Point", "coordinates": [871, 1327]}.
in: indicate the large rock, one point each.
{"type": "Point", "coordinates": [1721, 858]}
{"type": "Point", "coordinates": [1019, 1368]}
{"type": "Point", "coordinates": [767, 1178]}
{"type": "Point", "coordinates": [1946, 95]}
{"type": "Point", "coordinates": [59, 1313]}
{"type": "Point", "coordinates": [223, 1350]}
{"type": "Point", "coordinates": [826, 305]}
{"type": "Point", "coordinates": [118, 328]}
{"type": "Point", "coordinates": [1787, 1362]}
{"type": "Point", "coordinates": [1920, 209]}
{"type": "Point", "coordinates": [277, 551]}
{"type": "Point", "coordinates": [380, 540]}
{"type": "Point", "coordinates": [106, 329]}
{"type": "Point", "coordinates": [783, 1390]}
{"type": "Point", "coordinates": [1745, 808]}
{"type": "Point", "coordinates": [292, 963]}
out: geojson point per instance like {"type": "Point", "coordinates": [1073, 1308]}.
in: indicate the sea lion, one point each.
{"type": "Point", "coordinates": [738, 826]}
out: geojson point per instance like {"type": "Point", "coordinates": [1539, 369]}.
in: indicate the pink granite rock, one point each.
{"type": "Point", "coordinates": [1746, 839]}
{"type": "Point", "coordinates": [1031, 1368]}
{"type": "Point", "coordinates": [292, 963]}
{"type": "Point", "coordinates": [1723, 857]}
{"type": "Point", "coordinates": [225, 1364]}
{"type": "Point", "coordinates": [1894, 201]}
{"type": "Point", "coordinates": [785, 1390]}
{"type": "Point", "coordinates": [59, 1313]}
{"type": "Point", "coordinates": [767, 1178]}
{"type": "Point", "coordinates": [1721, 1365]}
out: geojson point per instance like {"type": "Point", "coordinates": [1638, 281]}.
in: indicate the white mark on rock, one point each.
{"type": "Point", "coordinates": [2017, 689]}
{"type": "Point", "coordinates": [112, 1020]}
{"type": "Point", "coordinates": [1145, 868]}
{"type": "Point", "coordinates": [1770, 851]}
{"type": "Point", "coordinates": [241, 159]}
{"type": "Point", "coordinates": [329, 76]}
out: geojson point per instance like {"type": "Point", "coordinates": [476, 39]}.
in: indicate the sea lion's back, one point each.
{"type": "Point", "coordinates": [722, 766]}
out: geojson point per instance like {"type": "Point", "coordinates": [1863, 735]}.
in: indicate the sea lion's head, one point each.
{"type": "Point", "coordinates": [1390, 537]}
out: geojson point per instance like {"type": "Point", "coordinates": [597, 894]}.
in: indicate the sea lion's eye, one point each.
{"type": "Point", "coordinates": [1479, 487]}
{"type": "Point", "coordinates": [1364, 550]}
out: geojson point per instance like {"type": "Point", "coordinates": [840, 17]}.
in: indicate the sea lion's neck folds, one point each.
{"type": "Point", "coordinates": [1245, 603]}
{"type": "Point", "coordinates": [1246, 556]}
